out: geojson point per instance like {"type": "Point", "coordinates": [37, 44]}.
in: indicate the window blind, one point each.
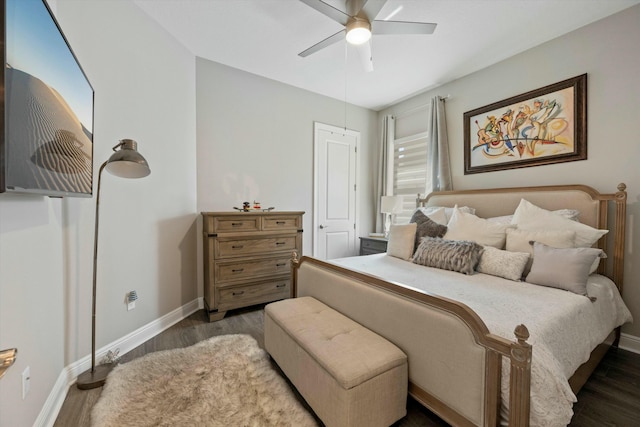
{"type": "Point", "coordinates": [409, 172]}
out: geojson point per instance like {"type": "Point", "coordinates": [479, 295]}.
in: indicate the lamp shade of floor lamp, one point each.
{"type": "Point", "coordinates": [125, 162]}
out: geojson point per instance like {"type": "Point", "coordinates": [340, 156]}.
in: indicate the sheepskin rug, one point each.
{"type": "Point", "coordinates": [223, 381]}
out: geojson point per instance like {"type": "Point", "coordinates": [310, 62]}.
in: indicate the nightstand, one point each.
{"type": "Point", "coordinates": [373, 245]}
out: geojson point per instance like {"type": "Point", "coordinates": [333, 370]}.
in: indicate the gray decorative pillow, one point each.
{"type": "Point", "coordinates": [455, 255]}
{"type": "Point", "coordinates": [566, 269]}
{"type": "Point", "coordinates": [426, 227]}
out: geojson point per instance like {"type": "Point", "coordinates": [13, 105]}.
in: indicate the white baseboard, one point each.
{"type": "Point", "coordinates": [69, 374]}
{"type": "Point", "coordinates": [630, 343]}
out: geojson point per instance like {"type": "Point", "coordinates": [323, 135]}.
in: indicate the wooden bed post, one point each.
{"type": "Point", "coordinates": [520, 379]}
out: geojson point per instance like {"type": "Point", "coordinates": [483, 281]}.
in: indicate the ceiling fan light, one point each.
{"type": "Point", "coordinates": [358, 31]}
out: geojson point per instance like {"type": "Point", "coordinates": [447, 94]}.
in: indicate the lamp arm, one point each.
{"type": "Point", "coordinates": [95, 262]}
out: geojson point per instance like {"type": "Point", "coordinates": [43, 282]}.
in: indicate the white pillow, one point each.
{"type": "Point", "coordinates": [531, 217]}
{"type": "Point", "coordinates": [401, 240]}
{"type": "Point", "coordinates": [448, 212]}
{"type": "Point", "coordinates": [518, 241]}
{"type": "Point", "coordinates": [571, 214]}
{"type": "Point", "coordinates": [466, 226]}
{"type": "Point", "coordinates": [497, 262]}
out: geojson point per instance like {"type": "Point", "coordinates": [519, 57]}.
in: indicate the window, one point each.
{"type": "Point", "coordinates": [409, 172]}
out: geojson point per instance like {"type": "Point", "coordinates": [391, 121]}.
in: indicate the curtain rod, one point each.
{"type": "Point", "coordinates": [420, 107]}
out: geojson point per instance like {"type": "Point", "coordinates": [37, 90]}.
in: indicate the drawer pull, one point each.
{"type": "Point", "coordinates": [236, 224]}
{"type": "Point", "coordinates": [237, 293]}
{"type": "Point", "coordinates": [237, 247]}
{"type": "Point", "coordinates": [280, 222]}
{"type": "Point", "coordinates": [237, 270]}
{"type": "Point", "coordinates": [280, 243]}
{"type": "Point", "coordinates": [281, 285]}
{"type": "Point", "coordinates": [282, 264]}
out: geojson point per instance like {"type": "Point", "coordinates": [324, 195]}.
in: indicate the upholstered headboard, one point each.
{"type": "Point", "coordinates": [593, 207]}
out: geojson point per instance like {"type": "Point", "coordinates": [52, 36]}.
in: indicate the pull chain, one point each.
{"type": "Point", "coordinates": [345, 85]}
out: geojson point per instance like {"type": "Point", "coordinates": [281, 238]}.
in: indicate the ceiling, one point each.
{"type": "Point", "coordinates": [264, 37]}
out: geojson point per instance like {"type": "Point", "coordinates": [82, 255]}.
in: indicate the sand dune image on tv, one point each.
{"type": "Point", "coordinates": [47, 145]}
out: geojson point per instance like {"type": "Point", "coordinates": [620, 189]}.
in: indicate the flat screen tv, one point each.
{"type": "Point", "coordinates": [46, 134]}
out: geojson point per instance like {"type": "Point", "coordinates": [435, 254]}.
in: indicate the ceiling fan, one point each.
{"type": "Point", "coordinates": [359, 21]}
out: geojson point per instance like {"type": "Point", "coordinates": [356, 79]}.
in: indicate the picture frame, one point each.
{"type": "Point", "coordinates": [47, 101]}
{"type": "Point", "coordinates": [540, 127]}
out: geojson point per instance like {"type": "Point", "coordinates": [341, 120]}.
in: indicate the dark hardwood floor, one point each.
{"type": "Point", "coordinates": [611, 397]}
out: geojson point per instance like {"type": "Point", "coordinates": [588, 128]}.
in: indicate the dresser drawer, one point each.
{"type": "Point", "coordinates": [220, 224]}
{"type": "Point", "coordinates": [226, 247]}
{"type": "Point", "coordinates": [229, 271]}
{"type": "Point", "coordinates": [284, 222]}
{"type": "Point", "coordinates": [242, 296]}
{"type": "Point", "coordinates": [370, 246]}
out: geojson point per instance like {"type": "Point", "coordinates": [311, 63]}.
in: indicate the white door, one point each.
{"type": "Point", "coordinates": [335, 187]}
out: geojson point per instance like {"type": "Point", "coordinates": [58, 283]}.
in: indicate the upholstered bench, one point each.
{"type": "Point", "coordinates": [349, 375]}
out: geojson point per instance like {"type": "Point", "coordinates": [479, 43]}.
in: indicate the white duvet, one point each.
{"type": "Point", "coordinates": [564, 327]}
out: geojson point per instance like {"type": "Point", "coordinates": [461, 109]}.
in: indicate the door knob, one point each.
{"type": "Point", "coordinates": [323, 226]}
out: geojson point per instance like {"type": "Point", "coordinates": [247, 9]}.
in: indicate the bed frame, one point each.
{"type": "Point", "coordinates": [455, 363]}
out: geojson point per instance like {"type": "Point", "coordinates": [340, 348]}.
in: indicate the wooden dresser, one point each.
{"type": "Point", "coordinates": [247, 258]}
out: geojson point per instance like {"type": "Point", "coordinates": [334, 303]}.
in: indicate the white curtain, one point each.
{"type": "Point", "coordinates": [382, 187]}
{"type": "Point", "coordinates": [438, 166]}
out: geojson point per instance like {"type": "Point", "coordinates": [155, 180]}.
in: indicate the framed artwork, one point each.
{"type": "Point", "coordinates": [46, 138]}
{"type": "Point", "coordinates": [540, 127]}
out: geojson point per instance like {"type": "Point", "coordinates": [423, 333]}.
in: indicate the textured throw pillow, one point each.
{"type": "Point", "coordinates": [531, 217]}
{"type": "Point", "coordinates": [436, 214]}
{"type": "Point", "coordinates": [451, 255]}
{"type": "Point", "coordinates": [497, 262]}
{"type": "Point", "coordinates": [518, 241]}
{"type": "Point", "coordinates": [401, 241]}
{"type": "Point", "coordinates": [566, 269]}
{"type": "Point", "coordinates": [465, 226]}
{"type": "Point", "coordinates": [426, 227]}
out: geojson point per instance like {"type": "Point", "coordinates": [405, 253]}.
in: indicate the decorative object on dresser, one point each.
{"type": "Point", "coordinates": [247, 258]}
{"type": "Point", "coordinates": [373, 245]}
{"type": "Point", "coordinates": [126, 162]}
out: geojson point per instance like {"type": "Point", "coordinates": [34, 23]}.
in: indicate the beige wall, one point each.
{"type": "Point", "coordinates": [144, 85]}
{"type": "Point", "coordinates": [606, 51]}
{"type": "Point", "coordinates": [255, 142]}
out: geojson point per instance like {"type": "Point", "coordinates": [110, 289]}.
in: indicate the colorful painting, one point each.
{"type": "Point", "coordinates": [540, 127]}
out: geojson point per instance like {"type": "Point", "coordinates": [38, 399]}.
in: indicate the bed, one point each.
{"type": "Point", "coordinates": [484, 350]}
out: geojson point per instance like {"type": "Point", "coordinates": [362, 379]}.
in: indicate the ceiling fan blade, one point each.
{"type": "Point", "coordinates": [364, 50]}
{"type": "Point", "coordinates": [399, 27]}
{"type": "Point", "coordinates": [328, 10]}
{"type": "Point", "coordinates": [339, 36]}
{"type": "Point", "coordinates": [371, 9]}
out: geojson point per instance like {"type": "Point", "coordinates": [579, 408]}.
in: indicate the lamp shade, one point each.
{"type": "Point", "coordinates": [127, 162]}
{"type": "Point", "coordinates": [391, 204]}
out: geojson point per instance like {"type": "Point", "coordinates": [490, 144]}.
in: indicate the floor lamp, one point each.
{"type": "Point", "coordinates": [126, 162]}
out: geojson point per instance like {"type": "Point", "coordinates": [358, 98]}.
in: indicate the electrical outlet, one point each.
{"type": "Point", "coordinates": [130, 299]}
{"type": "Point", "coordinates": [26, 381]}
